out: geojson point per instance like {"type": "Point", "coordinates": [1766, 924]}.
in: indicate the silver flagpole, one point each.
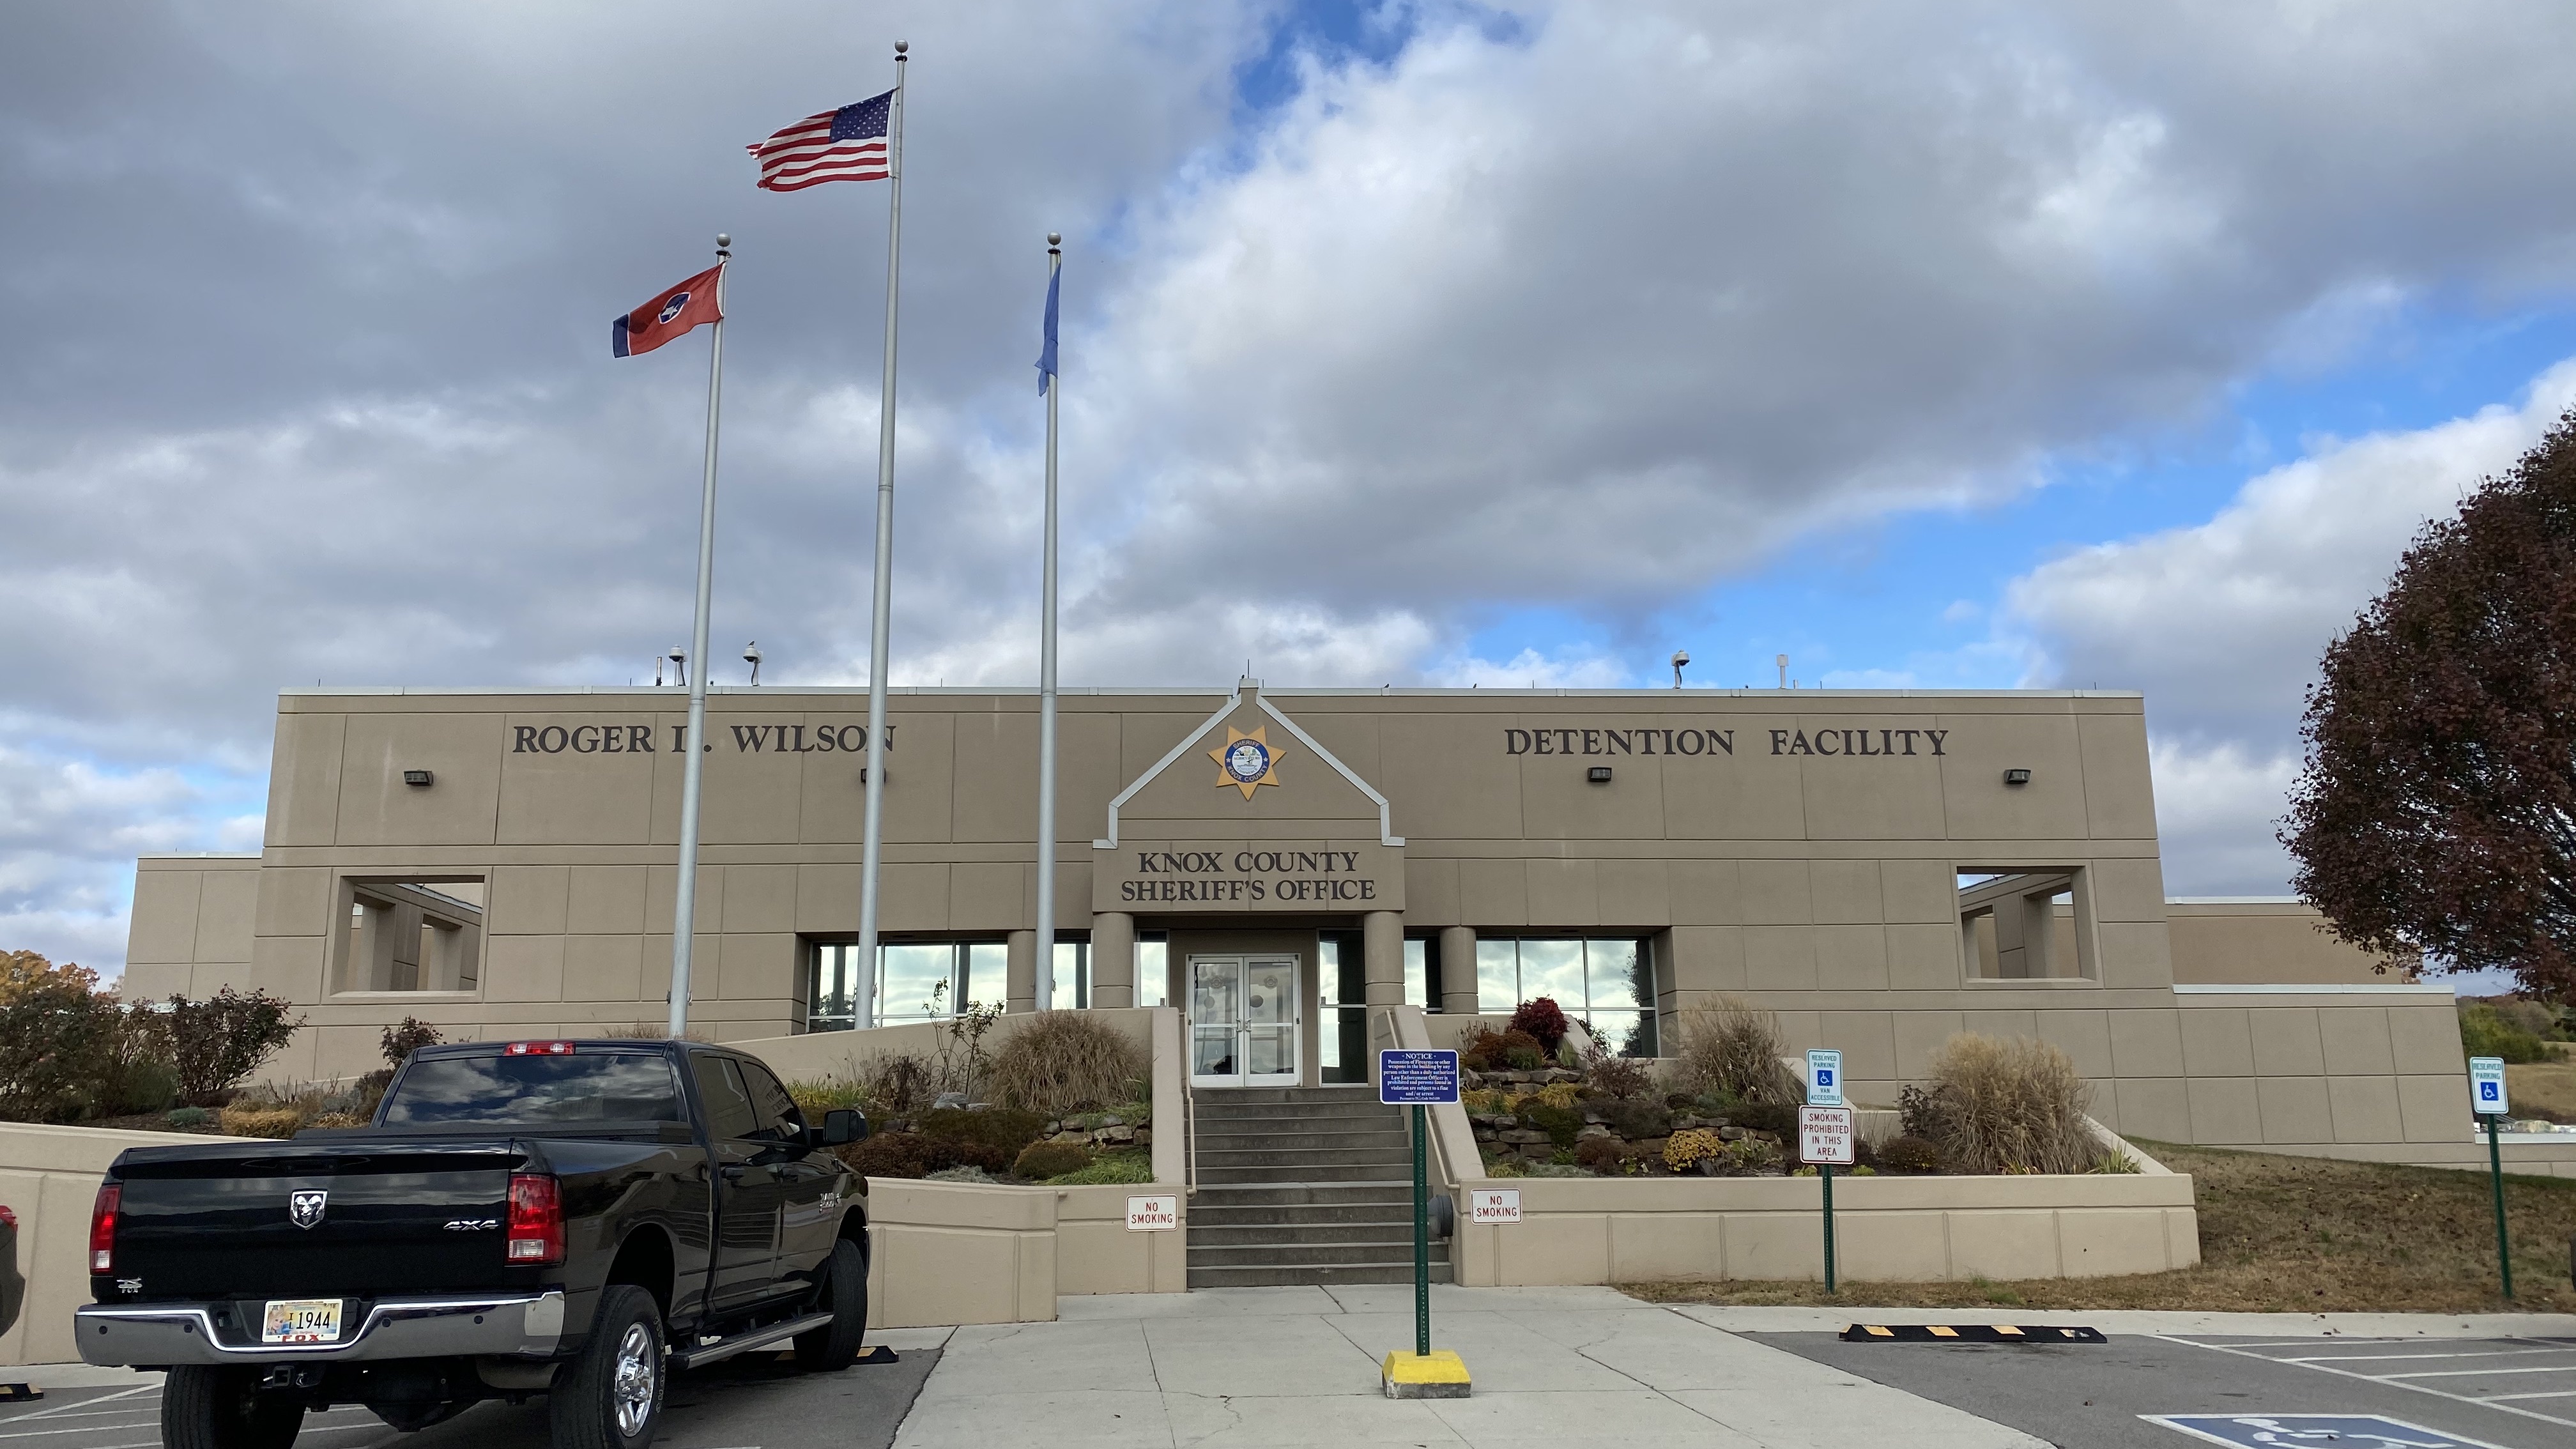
{"type": "Point", "coordinates": [684, 907]}
{"type": "Point", "coordinates": [878, 626]}
{"type": "Point", "coordinates": [1045, 981]}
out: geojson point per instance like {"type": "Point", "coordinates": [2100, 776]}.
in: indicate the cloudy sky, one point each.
{"type": "Point", "coordinates": [1957, 345]}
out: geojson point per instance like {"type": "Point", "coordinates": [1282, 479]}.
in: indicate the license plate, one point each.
{"type": "Point", "coordinates": [301, 1320]}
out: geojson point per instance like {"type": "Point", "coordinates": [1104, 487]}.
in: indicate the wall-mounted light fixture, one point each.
{"type": "Point", "coordinates": [419, 779]}
{"type": "Point", "coordinates": [2016, 777]}
{"type": "Point", "coordinates": [1598, 774]}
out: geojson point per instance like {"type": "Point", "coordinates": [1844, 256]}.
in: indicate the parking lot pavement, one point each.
{"type": "Point", "coordinates": [752, 1403]}
{"type": "Point", "coordinates": [2513, 1393]}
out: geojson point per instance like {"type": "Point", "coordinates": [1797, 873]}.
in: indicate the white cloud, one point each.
{"type": "Point", "coordinates": [1529, 669]}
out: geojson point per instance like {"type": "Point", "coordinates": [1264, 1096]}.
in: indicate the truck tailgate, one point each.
{"type": "Point", "coordinates": [394, 1217]}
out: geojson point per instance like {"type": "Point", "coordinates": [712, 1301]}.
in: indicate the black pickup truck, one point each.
{"type": "Point", "coordinates": [578, 1219]}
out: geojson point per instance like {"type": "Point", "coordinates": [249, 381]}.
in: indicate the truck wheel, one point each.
{"type": "Point", "coordinates": [845, 1291]}
{"type": "Point", "coordinates": [611, 1396]}
{"type": "Point", "coordinates": [204, 1406]}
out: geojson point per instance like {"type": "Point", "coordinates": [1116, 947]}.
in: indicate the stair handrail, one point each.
{"type": "Point", "coordinates": [1189, 1108]}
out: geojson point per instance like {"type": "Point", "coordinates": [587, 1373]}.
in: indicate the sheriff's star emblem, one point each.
{"type": "Point", "coordinates": [1246, 761]}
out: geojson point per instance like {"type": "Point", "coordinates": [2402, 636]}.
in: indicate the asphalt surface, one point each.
{"type": "Point", "coordinates": [2509, 1393]}
{"type": "Point", "coordinates": [756, 1402]}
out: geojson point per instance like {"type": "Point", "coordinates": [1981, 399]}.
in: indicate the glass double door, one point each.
{"type": "Point", "coordinates": [1244, 1015]}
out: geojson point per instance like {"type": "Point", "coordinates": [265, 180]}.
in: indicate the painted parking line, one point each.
{"type": "Point", "coordinates": [2517, 1393]}
{"type": "Point", "coordinates": [2264, 1431]}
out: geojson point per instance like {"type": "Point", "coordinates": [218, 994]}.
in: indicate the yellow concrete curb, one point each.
{"type": "Point", "coordinates": [1439, 1374]}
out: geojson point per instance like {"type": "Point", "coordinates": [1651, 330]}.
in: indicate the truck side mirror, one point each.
{"type": "Point", "coordinates": [843, 1125]}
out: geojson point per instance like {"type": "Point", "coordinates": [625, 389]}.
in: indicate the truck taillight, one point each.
{"type": "Point", "coordinates": [537, 1049]}
{"type": "Point", "coordinates": [536, 1220]}
{"type": "Point", "coordinates": [102, 1229]}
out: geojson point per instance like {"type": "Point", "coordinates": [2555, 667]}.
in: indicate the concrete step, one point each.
{"type": "Point", "coordinates": [1295, 1119]}
{"type": "Point", "coordinates": [1224, 1197]}
{"type": "Point", "coordinates": [1259, 1218]}
{"type": "Point", "coordinates": [1318, 1156]}
{"type": "Point", "coordinates": [1306, 1173]}
{"type": "Point", "coordinates": [1319, 1255]}
{"type": "Point", "coordinates": [1274, 1275]}
{"type": "Point", "coordinates": [1303, 1141]}
{"type": "Point", "coordinates": [1358, 1230]}
{"type": "Point", "coordinates": [1357, 1092]}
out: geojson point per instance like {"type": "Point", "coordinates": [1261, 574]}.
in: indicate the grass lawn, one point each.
{"type": "Point", "coordinates": [2283, 1234]}
{"type": "Point", "coordinates": [2542, 1089]}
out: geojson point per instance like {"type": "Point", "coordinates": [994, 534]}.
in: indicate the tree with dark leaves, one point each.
{"type": "Point", "coordinates": [2437, 810]}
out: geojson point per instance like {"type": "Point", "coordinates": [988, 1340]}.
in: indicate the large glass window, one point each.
{"type": "Point", "coordinates": [916, 981]}
{"type": "Point", "coordinates": [1609, 984]}
{"type": "Point", "coordinates": [1072, 976]}
{"type": "Point", "coordinates": [1341, 996]}
{"type": "Point", "coordinates": [1422, 972]}
{"type": "Point", "coordinates": [1153, 970]}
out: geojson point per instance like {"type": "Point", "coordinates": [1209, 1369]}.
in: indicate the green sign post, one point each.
{"type": "Point", "coordinates": [1825, 1138]}
{"type": "Point", "coordinates": [1420, 1079]}
{"type": "Point", "coordinates": [2487, 1099]}
{"type": "Point", "coordinates": [1422, 1231]}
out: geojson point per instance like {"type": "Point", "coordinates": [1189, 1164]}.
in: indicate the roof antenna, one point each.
{"type": "Point", "coordinates": [751, 656]}
{"type": "Point", "coordinates": [1680, 658]}
{"type": "Point", "coordinates": [679, 658]}
{"type": "Point", "coordinates": [657, 671]}
{"type": "Point", "coordinates": [1783, 662]}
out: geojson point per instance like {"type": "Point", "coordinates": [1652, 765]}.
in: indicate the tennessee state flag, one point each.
{"type": "Point", "coordinates": [667, 316]}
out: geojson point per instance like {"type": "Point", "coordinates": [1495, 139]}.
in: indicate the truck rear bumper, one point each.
{"type": "Point", "coordinates": [395, 1328]}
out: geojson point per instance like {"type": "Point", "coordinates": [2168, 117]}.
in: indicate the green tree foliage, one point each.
{"type": "Point", "coordinates": [2437, 809]}
{"type": "Point", "coordinates": [217, 1042]}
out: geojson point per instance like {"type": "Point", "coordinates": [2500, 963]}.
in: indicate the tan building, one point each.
{"type": "Point", "coordinates": [1884, 869]}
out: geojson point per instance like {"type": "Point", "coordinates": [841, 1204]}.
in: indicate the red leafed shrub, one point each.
{"type": "Point", "coordinates": [1541, 1017]}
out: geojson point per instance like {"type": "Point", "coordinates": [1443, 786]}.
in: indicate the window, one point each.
{"type": "Point", "coordinates": [916, 981]}
{"type": "Point", "coordinates": [1422, 972]}
{"type": "Point", "coordinates": [1341, 996]}
{"type": "Point", "coordinates": [720, 1091]}
{"type": "Point", "coordinates": [1153, 969]}
{"type": "Point", "coordinates": [1608, 984]}
{"type": "Point", "coordinates": [779, 1119]}
{"type": "Point", "coordinates": [411, 935]}
{"type": "Point", "coordinates": [587, 1086]}
{"type": "Point", "coordinates": [1072, 975]}
{"type": "Point", "coordinates": [2021, 923]}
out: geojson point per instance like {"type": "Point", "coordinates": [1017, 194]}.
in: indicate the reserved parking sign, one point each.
{"type": "Point", "coordinates": [2486, 1085]}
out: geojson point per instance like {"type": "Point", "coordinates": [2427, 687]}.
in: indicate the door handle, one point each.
{"type": "Point", "coordinates": [733, 1171]}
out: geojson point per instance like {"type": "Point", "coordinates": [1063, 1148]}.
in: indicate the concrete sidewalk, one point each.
{"type": "Point", "coordinates": [2160, 1321]}
{"type": "Point", "coordinates": [1270, 1368]}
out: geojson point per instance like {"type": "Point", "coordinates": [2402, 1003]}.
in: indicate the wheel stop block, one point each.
{"type": "Point", "coordinates": [1439, 1374]}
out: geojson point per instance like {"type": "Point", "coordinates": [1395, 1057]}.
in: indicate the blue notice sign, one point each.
{"type": "Point", "coordinates": [1416, 1078]}
{"type": "Point", "coordinates": [2270, 1431]}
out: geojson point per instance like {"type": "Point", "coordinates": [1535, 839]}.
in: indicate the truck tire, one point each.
{"type": "Point", "coordinates": [611, 1396]}
{"type": "Point", "coordinates": [845, 1291]}
{"type": "Point", "coordinates": [205, 1406]}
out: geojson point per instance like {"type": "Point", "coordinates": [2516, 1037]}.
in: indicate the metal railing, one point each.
{"type": "Point", "coordinates": [1189, 1111]}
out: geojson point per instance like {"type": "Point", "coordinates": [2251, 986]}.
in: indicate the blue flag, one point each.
{"type": "Point", "coordinates": [1046, 354]}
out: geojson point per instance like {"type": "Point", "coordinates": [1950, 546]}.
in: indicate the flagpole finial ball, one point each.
{"type": "Point", "coordinates": [901, 46]}
{"type": "Point", "coordinates": [723, 241]}
{"type": "Point", "coordinates": [1055, 239]}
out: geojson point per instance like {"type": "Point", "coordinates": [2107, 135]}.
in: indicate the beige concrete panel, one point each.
{"type": "Point", "coordinates": [1890, 1247]}
{"type": "Point", "coordinates": [2085, 1037]}
{"type": "Point", "coordinates": [2119, 796]}
{"type": "Point", "coordinates": [1780, 958]}
{"type": "Point", "coordinates": [2128, 889]}
{"type": "Point", "coordinates": [760, 898]}
{"type": "Point", "coordinates": [611, 969]}
{"type": "Point", "coordinates": [1633, 895]}
{"type": "Point", "coordinates": [1866, 798]}
{"type": "Point", "coordinates": [752, 796]}
{"type": "Point", "coordinates": [995, 795]}
{"type": "Point", "coordinates": [531, 968]}
{"type": "Point", "coordinates": [1920, 1035]}
{"type": "Point", "coordinates": [1493, 893]}
{"type": "Point", "coordinates": [1352, 735]}
{"type": "Point", "coordinates": [1562, 893]}
{"type": "Point", "coordinates": [163, 927]}
{"type": "Point", "coordinates": [2107, 1242]}
{"type": "Point", "coordinates": [759, 967]}
{"type": "Point", "coordinates": [1923, 958]}
{"type": "Point", "coordinates": [1846, 892]}
{"type": "Point", "coordinates": [294, 901]}
{"type": "Point", "coordinates": [2132, 955]}
{"type": "Point", "coordinates": [531, 900]}
{"type": "Point", "coordinates": [1776, 1246]}
{"type": "Point", "coordinates": [2286, 1043]}
{"type": "Point", "coordinates": [2365, 1109]}
{"type": "Point", "coordinates": [1560, 802]}
{"type": "Point", "coordinates": [2435, 1109]}
{"type": "Point", "coordinates": [920, 770]}
{"type": "Point", "coordinates": [2217, 1042]}
{"type": "Point", "coordinates": [1919, 892]}
{"type": "Point", "coordinates": [986, 896]}
{"type": "Point", "coordinates": [1750, 797]}
{"type": "Point", "coordinates": [2294, 1109]}
{"type": "Point", "coordinates": [1707, 958]}
{"type": "Point", "coordinates": [288, 966]}
{"type": "Point", "coordinates": [1556, 1249]}
{"type": "Point", "coordinates": [2147, 1043]}
{"type": "Point", "coordinates": [1867, 1040]}
{"type": "Point", "coordinates": [304, 779]}
{"type": "Point", "coordinates": [1705, 892]}
{"type": "Point", "coordinates": [605, 900]}
{"type": "Point", "coordinates": [1441, 789]}
{"type": "Point", "coordinates": [2004, 1245]}
{"type": "Point", "coordinates": [2268, 943]}
{"type": "Point", "coordinates": [2156, 1107]}
{"type": "Point", "coordinates": [1980, 806]}
{"type": "Point", "coordinates": [227, 915]}
{"type": "Point", "coordinates": [1851, 958]}
{"type": "Point", "coordinates": [1307, 791]}
{"type": "Point", "coordinates": [662, 888]}
{"type": "Point", "coordinates": [912, 898]}
{"type": "Point", "coordinates": [1666, 1247]}
{"type": "Point", "coordinates": [2355, 1040]}
{"type": "Point", "coordinates": [2000, 1023]}
{"type": "Point", "coordinates": [2426, 1038]}
{"type": "Point", "coordinates": [1777, 893]}
{"type": "Point", "coordinates": [461, 751]}
{"type": "Point", "coordinates": [151, 983]}
{"type": "Point", "coordinates": [587, 796]}
{"type": "Point", "coordinates": [2225, 1111]}
{"type": "Point", "coordinates": [827, 898]}
{"type": "Point", "coordinates": [1431, 892]}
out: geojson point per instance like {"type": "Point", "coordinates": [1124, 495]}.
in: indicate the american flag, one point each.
{"type": "Point", "coordinates": [844, 145]}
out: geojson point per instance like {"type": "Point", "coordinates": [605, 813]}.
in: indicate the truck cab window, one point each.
{"type": "Point", "coordinates": [776, 1111]}
{"type": "Point", "coordinates": [729, 1110]}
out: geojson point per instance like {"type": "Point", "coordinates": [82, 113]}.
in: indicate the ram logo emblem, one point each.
{"type": "Point", "coordinates": [305, 1208]}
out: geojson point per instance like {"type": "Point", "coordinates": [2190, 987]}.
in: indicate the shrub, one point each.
{"type": "Point", "coordinates": [959, 1174]}
{"type": "Point", "coordinates": [1559, 1123]}
{"type": "Point", "coordinates": [399, 1042]}
{"type": "Point", "coordinates": [1540, 1017]}
{"type": "Point", "coordinates": [1604, 1155]}
{"type": "Point", "coordinates": [1522, 1052]}
{"type": "Point", "coordinates": [887, 1154]}
{"type": "Point", "coordinates": [58, 1036]}
{"type": "Point", "coordinates": [189, 1116]}
{"type": "Point", "coordinates": [1623, 1077]}
{"type": "Point", "coordinates": [2007, 1106]}
{"type": "Point", "coordinates": [1909, 1154]}
{"type": "Point", "coordinates": [1488, 1099]}
{"type": "Point", "coordinates": [263, 1120]}
{"type": "Point", "coordinates": [1749, 1155]}
{"type": "Point", "coordinates": [1483, 1052]}
{"type": "Point", "coordinates": [941, 1153]}
{"type": "Point", "coordinates": [2487, 1032]}
{"type": "Point", "coordinates": [1063, 1061]}
{"type": "Point", "coordinates": [1687, 1147]}
{"type": "Point", "coordinates": [1779, 1118]}
{"type": "Point", "coordinates": [1727, 1045]}
{"type": "Point", "coordinates": [1004, 1129]}
{"type": "Point", "coordinates": [897, 1083]}
{"type": "Point", "coordinates": [1042, 1160]}
{"type": "Point", "coordinates": [217, 1042]}
{"type": "Point", "coordinates": [1632, 1118]}
{"type": "Point", "coordinates": [137, 1085]}
{"type": "Point", "coordinates": [1109, 1167]}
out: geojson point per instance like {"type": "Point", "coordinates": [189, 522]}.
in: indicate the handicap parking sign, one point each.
{"type": "Point", "coordinates": [2486, 1085]}
{"type": "Point", "coordinates": [2346, 1431]}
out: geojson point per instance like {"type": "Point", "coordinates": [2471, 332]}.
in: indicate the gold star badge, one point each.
{"type": "Point", "coordinates": [1246, 761]}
